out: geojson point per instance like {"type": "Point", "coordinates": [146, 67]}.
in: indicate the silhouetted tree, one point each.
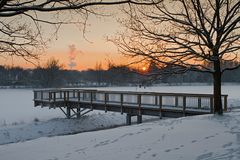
{"type": "Point", "coordinates": [186, 34]}
{"type": "Point", "coordinates": [52, 73]}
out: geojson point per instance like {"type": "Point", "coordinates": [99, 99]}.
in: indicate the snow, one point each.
{"type": "Point", "coordinates": [58, 126]}
{"type": "Point", "coordinates": [17, 107]}
{"type": "Point", "coordinates": [188, 138]}
{"type": "Point", "coordinates": [39, 133]}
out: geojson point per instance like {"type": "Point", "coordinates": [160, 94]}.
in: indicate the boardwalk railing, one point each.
{"type": "Point", "coordinates": [130, 102]}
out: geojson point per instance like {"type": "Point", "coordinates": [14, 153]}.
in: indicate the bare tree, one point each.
{"type": "Point", "coordinates": [187, 35]}
{"type": "Point", "coordinates": [20, 24]}
{"type": "Point", "coordinates": [52, 73]}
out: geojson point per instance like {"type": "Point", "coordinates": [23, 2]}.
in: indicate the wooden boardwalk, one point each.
{"type": "Point", "coordinates": [77, 102]}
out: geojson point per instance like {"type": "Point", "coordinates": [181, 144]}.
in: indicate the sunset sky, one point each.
{"type": "Point", "coordinates": [71, 48]}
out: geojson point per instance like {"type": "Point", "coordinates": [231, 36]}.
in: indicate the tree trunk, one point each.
{"type": "Point", "coordinates": [217, 75]}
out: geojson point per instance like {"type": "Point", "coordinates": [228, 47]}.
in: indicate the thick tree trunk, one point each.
{"type": "Point", "coordinates": [217, 75]}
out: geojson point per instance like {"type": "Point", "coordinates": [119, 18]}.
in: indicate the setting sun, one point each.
{"type": "Point", "coordinates": [144, 68]}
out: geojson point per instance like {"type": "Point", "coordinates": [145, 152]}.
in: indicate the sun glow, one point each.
{"type": "Point", "coordinates": [144, 68]}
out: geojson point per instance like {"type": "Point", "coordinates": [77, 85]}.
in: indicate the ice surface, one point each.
{"type": "Point", "coordinates": [16, 106]}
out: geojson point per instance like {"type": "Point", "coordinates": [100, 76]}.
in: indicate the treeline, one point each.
{"type": "Point", "coordinates": [53, 75]}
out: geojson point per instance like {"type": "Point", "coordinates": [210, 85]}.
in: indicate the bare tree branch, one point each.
{"type": "Point", "coordinates": [197, 35]}
{"type": "Point", "coordinates": [21, 21]}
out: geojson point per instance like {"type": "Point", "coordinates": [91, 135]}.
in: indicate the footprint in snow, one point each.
{"type": "Point", "coordinates": [147, 129]}
{"type": "Point", "coordinates": [168, 150]}
{"type": "Point", "coordinates": [205, 156]}
{"type": "Point", "coordinates": [154, 155]}
{"type": "Point", "coordinates": [193, 141]}
{"type": "Point", "coordinates": [81, 150]}
{"type": "Point", "coordinates": [125, 135]}
{"type": "Point", "coordinates": [103, 143]}
{"type": "Point", "coordinates": [138, 156]}
{"type": "Point", "coordinates": [67, 155]}
{"type": "Point", "coordinates": [227, 145]}
{"type": "Point", "coordinates": [209, 137]}
{"type": "Point", "coordinates": [115, 140]}
{"type": "Point", "coordinates": [144, 152]}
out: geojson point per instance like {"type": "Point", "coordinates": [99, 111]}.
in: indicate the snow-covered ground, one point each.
{"type": "Point", "coordinates": [200, 137]}
{"type": "Point", "coordinates": [16, 106]}
{"type": "Point", "coordinates": [58, 126]}
{"type": "Point", "coordinates": [208, 137]}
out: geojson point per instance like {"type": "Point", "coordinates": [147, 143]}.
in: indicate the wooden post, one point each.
{"type": "Point", "coordinates": [67, 95]}
{"type": "Point", "coordinates": [41, 98]}
{"type": "Point", "coordinates": [225, 103]}
{"type": "Point", "coordinates": [121, 99]}
{"type": "Point", "coordinates": [139, 119]}
{"type": "Point", "coordinates": [156, 100]}
{"type": "Point", "coordinates": [54, 96]}
{"type": "Point", "coordinates": [160, 106]}
{"type": "Point", "coordinates": [68, 112]}
{"type": "Point", "coordinates": [78, 112]}
{"type": "Point", "coordinates": [199, 103]}
{"type": "Point", "coordinates": [128, 119]}
{"type": "Point", "coordinates": [64, 95]}
{"type": "Point", "coordinates": [184, 105]}
{"type": "Point", "coordinates": [35, 97]}
{"type": "Point", "coordinates": [105, 101]}
{"type": "Point", "coordinates": [139, 103]}
{"type": "Point", "coordinates": [91, 100]}
{"type": "Point", "coordinates": [41, 95]}
{"type": "Point", "coordinates": [78, 96]}
{"type": "Point", "coordinates": [49, 96]}
{"type": "Point", "coordinates": [211, 104]}
{"type": "Point", "coordinates": [176, 101]}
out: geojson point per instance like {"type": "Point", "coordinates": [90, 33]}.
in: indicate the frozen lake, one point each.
{"type": "Point", "coordinates": [17, 104]}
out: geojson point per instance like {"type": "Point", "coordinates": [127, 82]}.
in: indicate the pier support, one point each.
{"type": "Point", "coordinates": [78, 112]}
{"type": "Point", "coordinates": [129, 119]}
{"type": "Point", "coordinates": [139, 119]}
{"type": "Point", "coordinates": [68, 112]}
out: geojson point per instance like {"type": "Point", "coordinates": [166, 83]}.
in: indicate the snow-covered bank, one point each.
{"type": "Point", "coordinates": [59, 126]}
{"type": "Point", "coordinates": [201, 137]}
